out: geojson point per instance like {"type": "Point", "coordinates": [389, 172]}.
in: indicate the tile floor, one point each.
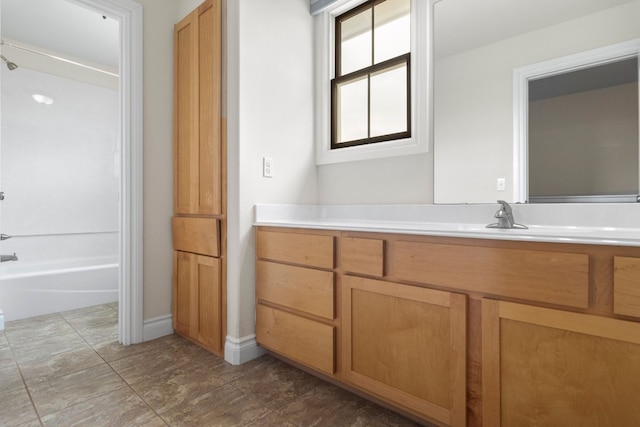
{"type": "Point", "coordinates": [68, 369]}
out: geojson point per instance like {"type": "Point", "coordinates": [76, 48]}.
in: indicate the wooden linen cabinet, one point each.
{"type": "Point", "coordinates": [199, 171]}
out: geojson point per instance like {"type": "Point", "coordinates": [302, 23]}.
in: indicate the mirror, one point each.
{"type": "Point", "coordinates": [478, 46]}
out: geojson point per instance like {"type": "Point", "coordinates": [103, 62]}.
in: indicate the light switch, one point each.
{"type": "Point", "coordinates": [501, 184]}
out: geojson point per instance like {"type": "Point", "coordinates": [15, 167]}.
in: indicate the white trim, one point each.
{"type": "Point", "coordinates": [521, 77]}
{"type": "Point", "coordinates": [241, 350]}
{"type": "Point", "coordinates": [421, 84]}
{"type": "Point", "coordinates": [1, 320]}
{"type": "Point", "coordinates": [158, 327]}
{"type": "Point", "coordinates": [129, 15]}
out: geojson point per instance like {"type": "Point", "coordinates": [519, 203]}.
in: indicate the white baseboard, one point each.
{"type": "Point", "coordinates": [241, 350]}
{"type": "Point", "coordinates": [157, 327]}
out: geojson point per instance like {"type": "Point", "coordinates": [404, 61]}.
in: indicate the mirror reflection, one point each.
{"type": "Point", "coordinates": [476, 135]}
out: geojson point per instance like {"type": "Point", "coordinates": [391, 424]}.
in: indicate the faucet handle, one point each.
{"type": "Point", "coordinates": [505, 206]}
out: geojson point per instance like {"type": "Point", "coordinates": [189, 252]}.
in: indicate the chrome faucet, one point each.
{"type": "Point", "coordinates": [5, 258]}
{"type": "Point", "coordinates": [505, 217]}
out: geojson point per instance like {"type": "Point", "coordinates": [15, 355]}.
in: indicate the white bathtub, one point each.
{"type": "Point", "coordinates": [32, 290]}
{"type": "Point", "coordinates": [58, 273]}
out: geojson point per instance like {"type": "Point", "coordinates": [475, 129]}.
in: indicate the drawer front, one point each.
{"type": "Point", "coordinates": [550, 277]}
{"type": "Point", "coordinates": [196, 235]}
{"type": "Point", "coordinates": [306, 249]}
{"type": "Point", "coordinates": [626, 286]}
{"type": "Point", "coordinates": [299, 288]}
{"type": "Point", "coordinates": [362, 256]}
{"type": "Point", "coordinates": [306, 341]}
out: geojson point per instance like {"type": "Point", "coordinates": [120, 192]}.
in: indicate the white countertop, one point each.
{"type": "Point", "coordinates": [559, 223]}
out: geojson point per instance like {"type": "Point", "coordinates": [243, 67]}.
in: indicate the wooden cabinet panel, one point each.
{"type": "Point", "coordinates": [209, 112]}
{"type": "Point", "coordinates": [550, 277]}
{"type": "Point", "coordinates": [406, 344]}
{"type": "Point", "coordinates": [299, 288]}
{"type": "Point", "coordinates": [626, 286]}
{"type": "Point", "coordinates": [303, 340]}
{"type": "Point", "coordinates": [182, 293]}
{"type": "Point", "coordinates": [197, 299]}
{"type": "Point", "coordinates": [197, 235]}
{"type": "Point", "coordinates": [197, 112]}
{"type": "Point", "coordinates": [209, 303]}
{"type": "Point", "coordinates": [184, 109]}
{"type": "Point", "coordinates": [362, 256]}
{"type": "Point", "coordinates": [550, 367]}
{"type": "Point", "coordinates": [306, 249]}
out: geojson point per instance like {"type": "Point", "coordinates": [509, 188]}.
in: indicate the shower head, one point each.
{"type": "Point", "coordinates": [10, 65]}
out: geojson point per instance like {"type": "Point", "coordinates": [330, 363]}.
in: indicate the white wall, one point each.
{"type": "Point", "coordinates": [474, 103]}
{"type": "Point", "coordinates": [59, 162]}
{"type": "Point", "coordinates": [270, 113]}
{"type": "Point", "coordinates": [159, 17]}
{"type": "Point", "coordinates": [405, 180]}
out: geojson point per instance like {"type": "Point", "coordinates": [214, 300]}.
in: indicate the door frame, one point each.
{"type": "Point", "coordinates": [130, 286]}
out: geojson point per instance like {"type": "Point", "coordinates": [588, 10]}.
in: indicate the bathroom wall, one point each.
{"type": "Point", "coordinates": [270, 113]}
{"type": "Point", "coordinates": [59, 167]}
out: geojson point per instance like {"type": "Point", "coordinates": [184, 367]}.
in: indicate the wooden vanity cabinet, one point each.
{"type": "Point", "coordinates": [460, 331]}
{"type": "Point", "coordinates": [544, 367]}
{"type": "Point", "coordinates": [199, 220]}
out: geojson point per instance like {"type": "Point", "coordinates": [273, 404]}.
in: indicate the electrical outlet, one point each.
{"type": "Point", "coordinates": [501, 184]}
{"type": "Point", "coordinates": [267, 167]}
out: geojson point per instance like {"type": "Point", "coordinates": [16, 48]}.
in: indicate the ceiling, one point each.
{"type": "Point", "coordinates": [68, 28]}
{"type": "Point", "coordinates": [63, 27]}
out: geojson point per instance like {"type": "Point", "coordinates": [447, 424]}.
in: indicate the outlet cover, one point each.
{"type": "Point", "coordinates": [267, 167]}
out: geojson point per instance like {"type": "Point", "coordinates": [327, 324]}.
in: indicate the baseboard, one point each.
{"type": "Point", "coordinates": [241, 350]}
{"type": "Point", "coordinates": [157, 327]}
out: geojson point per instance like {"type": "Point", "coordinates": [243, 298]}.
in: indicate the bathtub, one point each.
{"type": "Point", "coordinates": [58, 273]}
{"type": "Point", "coordinates": [33, 290]}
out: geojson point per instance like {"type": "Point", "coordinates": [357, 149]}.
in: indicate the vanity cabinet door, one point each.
{"type": "Point", "coordinates": [543, 367]}
{"type": "Point", "coordinates": [406, 344]}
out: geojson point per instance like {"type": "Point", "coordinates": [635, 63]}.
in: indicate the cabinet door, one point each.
{"type": "Point", "coordinates": [197, 112]}
{"type": "Point", "coordinates": [543, 367]}
{"type": "Point", "coordinates": [197, 299]}
{"type": "Point", "coordinates": [407, 345]}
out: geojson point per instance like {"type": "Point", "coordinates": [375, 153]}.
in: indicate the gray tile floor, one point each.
{"type": "Point", "coordinates": [67, 369]}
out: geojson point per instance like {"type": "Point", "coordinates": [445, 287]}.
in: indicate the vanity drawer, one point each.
{"type": "Point", "coordinates": [626, 286]}
{"type": "Point", "coordinates": [362, 256]}
{"type": "Point", "coordinates": [298, 288]}
{"type": "Point", "coordinates": [542, 276]}
{"type": "Point", "coordinates": [312, 250]}
{"type": "Point", "coordinates": [303, 340]}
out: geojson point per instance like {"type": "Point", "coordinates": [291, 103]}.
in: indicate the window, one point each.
{"type": "Point", "coordinates": [370, 94]}
{"type": "Point", "coordinates": [373, 79]}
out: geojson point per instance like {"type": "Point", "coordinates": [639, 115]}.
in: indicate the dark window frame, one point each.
{"type": "Point", "coordinates": [365, 72]}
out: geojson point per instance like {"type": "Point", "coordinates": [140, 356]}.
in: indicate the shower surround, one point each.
{"type": "Point", "coordinates": [59, 170]}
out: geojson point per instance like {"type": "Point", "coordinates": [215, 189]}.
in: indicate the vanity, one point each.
{"type": "Point", "coordinates": [454, 323]}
